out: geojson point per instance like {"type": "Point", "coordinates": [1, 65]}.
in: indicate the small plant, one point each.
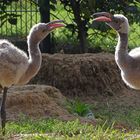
{"type": "Point", "coordinates": [79, 108]}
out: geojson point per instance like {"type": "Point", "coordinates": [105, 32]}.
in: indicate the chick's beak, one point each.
{"type": "Point", "coordinates": [55, 24]}
{"type": "Point", "coordinates": [103, 17]}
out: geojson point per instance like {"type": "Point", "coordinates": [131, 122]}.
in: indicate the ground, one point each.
{"type": "Point", "coordinates": [92, 78]}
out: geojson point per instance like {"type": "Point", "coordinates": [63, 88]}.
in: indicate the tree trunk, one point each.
{"type": "Point", "coordinates": [82, 32]}
{"type": "Point", "coordinates": [44, 8]}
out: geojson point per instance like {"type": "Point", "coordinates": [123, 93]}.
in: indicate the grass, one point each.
{"type": "Point", "coordinates": [54, 129]}
{"type": "Point", "coordinates": [129, 117]}
{"type": "Point", "coordinates": [108, 118]}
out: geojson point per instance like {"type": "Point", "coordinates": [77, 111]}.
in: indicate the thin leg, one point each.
{"type": "Point", "coordinates": [3, 112]}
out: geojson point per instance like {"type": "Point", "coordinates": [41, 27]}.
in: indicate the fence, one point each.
{"type": "Point", "coordinates": [29, 15]}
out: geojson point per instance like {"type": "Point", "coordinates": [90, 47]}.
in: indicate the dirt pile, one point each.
{"type": "Point", "coordinates": [35, 101]}
{"type": "Point", "coordinates": [80, 74]}
{"type": "Point", "coordinates": [83, 75]}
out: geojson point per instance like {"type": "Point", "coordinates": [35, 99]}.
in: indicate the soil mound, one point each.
{"type": "Point", "coordinates": [35, 101]}
{"type": "Point", "coordinates": [80, 74]}
{"type": "Point", "coordinates": [83, 75]}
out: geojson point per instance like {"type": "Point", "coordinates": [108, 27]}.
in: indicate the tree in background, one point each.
{"type": "Point", "coordinates": [83, 9]}
{"type": "Point", "coordinates": [82, 14]}
{"type": "Point", "coordinates": [44, 9]}
{"type": "Point", "coordinates": [4, 15]}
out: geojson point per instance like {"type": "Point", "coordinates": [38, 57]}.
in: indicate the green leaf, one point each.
{"type": "Point", "coordinates": [54, 1]}
{"type": "Point", "coordinates": [52, 7]}
{"type": "Point", "coordinates": [12, 21]}
{"type": "Point", "coordinates": [3, 16]}
{"type": "Point", "coordinates": [70, 26]}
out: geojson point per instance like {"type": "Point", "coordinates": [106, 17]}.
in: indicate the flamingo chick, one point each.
{"type": "Point", "coordinates": [128, 62]}
{"type": "Point", "coordinates": [16, 67]}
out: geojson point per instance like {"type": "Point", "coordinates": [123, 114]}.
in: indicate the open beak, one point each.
{"type": "Point", "coordinates": [55, 24]}
{"type": "Point", "coordinates": [103, 17]}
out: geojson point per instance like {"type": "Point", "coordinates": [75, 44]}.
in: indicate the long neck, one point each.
{"type": "Point", "coordinates": [35, 58]}
{"type": "Point", "coordinates": [122, 45]}
{"type": "Point", "coordinates": [34, 61]}
{"type": "Point", "coordinates": [121, 53]}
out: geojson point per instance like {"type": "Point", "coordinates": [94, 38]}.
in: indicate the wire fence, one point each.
{"type": "Point", "coordinates": [29, 15]}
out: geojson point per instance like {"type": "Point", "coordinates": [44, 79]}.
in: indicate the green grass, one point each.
{"type": "Point", "coordinates": [107, 120]}
{"type": "Point", "coordinates": [126, 115]}
{"type": "Point", "coordinates": [129, 117]}
{"type": "Point", "coordinates": [59, 130]}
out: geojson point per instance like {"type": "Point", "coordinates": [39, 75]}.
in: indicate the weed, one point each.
{"type": "Point", "coordinates": [79, 108]}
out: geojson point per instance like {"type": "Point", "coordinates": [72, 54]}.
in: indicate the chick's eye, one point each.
{"type": "Point", "coordinates": [117, 21]}
{"type": "Point", "coordinates": [43, 30]}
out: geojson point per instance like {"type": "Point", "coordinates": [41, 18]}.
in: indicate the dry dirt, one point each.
{"type": "Point", "coordinates": [95, 78]}
{"type": "Point", "coordinates": [80, 74]}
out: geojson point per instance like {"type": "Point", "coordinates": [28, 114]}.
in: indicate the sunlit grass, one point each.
{"type": "Point", "coordinates": [70, 130]}
{"type": "Point", "coordinates": [108, 119]}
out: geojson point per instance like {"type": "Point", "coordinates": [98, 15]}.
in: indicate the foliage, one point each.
{"type": "Point", "coordinates": [83, 9]}
{"type": "Point", "coordinates": [4, 15]}
{"type": "Point", "coordinates": [81, 28]}
{"type": "Point", "coordinates": [79, 108]}
{"type": "Point", "coordinates": [81, 12]}
{"type": "Point", "coordinates": [129, 8]}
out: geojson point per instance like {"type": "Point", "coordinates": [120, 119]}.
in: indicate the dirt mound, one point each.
{"type": "Point", "coordinates": [36, 101]}
{"type": "Point", "coordinates": [83, 74]}
{"type": "Point", "coordinates": [80, 74]}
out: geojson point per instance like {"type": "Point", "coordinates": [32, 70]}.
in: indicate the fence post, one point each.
{"type": "Point", "coordinates": [44, 9]}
